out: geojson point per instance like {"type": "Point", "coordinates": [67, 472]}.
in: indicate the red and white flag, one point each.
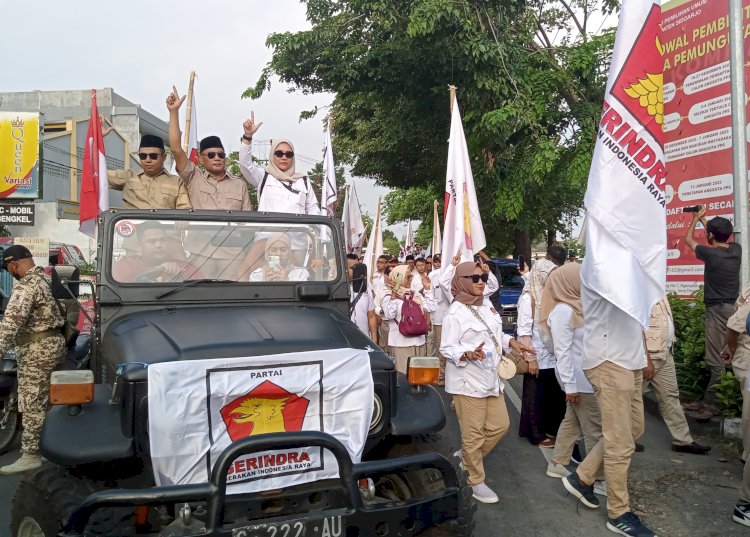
{"type": "Point", "coordinates": [354, 228]}
{"type": "Point", "coordinates": [94, 196]}
{"type": "Point", "coordinates": [328, 196]}
{"type": "Point", "coordinates": [463, 231]}
{"type": "Point", "coordinates": [625, 259]}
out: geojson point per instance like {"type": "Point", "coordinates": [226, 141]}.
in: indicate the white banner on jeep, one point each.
{"type": "Point", "coordinates": [198, 408]}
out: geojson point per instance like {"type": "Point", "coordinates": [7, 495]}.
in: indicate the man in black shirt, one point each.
{"type": "Point", "coordinates": [721, 288]}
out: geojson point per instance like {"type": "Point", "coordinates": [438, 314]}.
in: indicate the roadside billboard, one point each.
{"type": "Point", "coordinates": [697, 127]}
{"type": "Point", "coordinates": [19, 155]}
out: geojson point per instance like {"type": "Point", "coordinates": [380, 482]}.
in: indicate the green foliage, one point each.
{"type": "Point", "coordinates": [728, 395]}
{"type": "Point", "coordinates": [530, 105]}
{"type": "Point", "coordinates": [88, 269]}
{"type": "Point", "coordinates": [692, 370]}
{"type": "Point", "coordinates": [390, 243]}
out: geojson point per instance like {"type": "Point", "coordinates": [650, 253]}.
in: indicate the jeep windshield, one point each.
{"type": "Point", "coordinates": [158, 251]}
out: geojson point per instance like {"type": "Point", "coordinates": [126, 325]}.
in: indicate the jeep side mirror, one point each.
{"type": "Point", "coordinates": [65, 281]}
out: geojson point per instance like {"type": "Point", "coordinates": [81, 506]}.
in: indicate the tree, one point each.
{"type": "Point", "coordinates": [530, 102]}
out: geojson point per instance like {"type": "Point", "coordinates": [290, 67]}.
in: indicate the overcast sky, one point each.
{"type": "Point", "coordinates": [141, 48]}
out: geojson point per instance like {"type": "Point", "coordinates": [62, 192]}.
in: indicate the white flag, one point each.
{"type": "Point", "coordinates": [626, 243]}
{"type": "Point", "coordinates": [409, 240]}
{"type": "Point", "coordinates": [437, 240]}
{"type": "Point", "coordinates": [197, 412]}
{"type": "Point", "coordinates": [328, 196]}
{"type": "Point", "coordinates": [374, 246]}
{"type": "Point", "coordinates": [463, 231]}
{"type": "Point", "coordinates": [354, 228]}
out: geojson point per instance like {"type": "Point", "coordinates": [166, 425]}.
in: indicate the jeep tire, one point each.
{"type": "Point", "coordinates": [421, 483]}
{"type": "Point", "coordinates": [45, 499]}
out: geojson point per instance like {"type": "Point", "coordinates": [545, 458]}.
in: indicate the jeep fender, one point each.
{"type": "Point", "coordinates": [418, 411]}
{"type": "Point", "coordinates": [92, 435]}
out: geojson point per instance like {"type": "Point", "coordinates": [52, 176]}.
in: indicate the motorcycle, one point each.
{"type": "Point", "coordinates": [10, 418]}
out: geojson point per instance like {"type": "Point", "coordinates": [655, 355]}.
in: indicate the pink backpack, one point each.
{"type": "Point", "coordinates": [413, 322]}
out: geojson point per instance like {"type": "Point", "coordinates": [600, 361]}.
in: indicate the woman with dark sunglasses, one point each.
{"type": "Point", "coordinates": [472, 342]}
{"type": "Point", "coordinates": [280, 189]}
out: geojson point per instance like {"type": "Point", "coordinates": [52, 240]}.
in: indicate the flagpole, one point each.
{"type": "Point", "coordinates": [435, 229]}
{"type": "Point", "coordinates": [452, 90]}
{"type": "Point", "coordinates": [188, 112]}
{"type": "Point", "coordinates": [371, 252]}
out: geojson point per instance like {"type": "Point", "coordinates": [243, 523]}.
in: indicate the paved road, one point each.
{"type": "Point", "coordinates": [677, 495]}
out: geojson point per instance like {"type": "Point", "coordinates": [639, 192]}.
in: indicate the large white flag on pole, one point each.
{"type": "Point", "coordinates": [409, 239]}
{"type": "Point", "coordinates": [625, 259]}
{"type": "Point", "coordinates": [328, 196]}
{"type": "Point", "coordinates": [374, 246]}
{"type": "Point", "coordinates": [354, 228]}
{"type": "Point", "coordinates": [463, 231]}
{"type": "Point", "coordinates": [191, 124]}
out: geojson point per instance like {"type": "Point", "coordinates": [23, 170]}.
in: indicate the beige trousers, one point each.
{"type": "Point", "coordinates": [438, 339]}
{"type": "Point", "coordinates": [483, 422]}
{"type": "Point", "coordinates": [401, 355]}
{"type": "Point", "coordinates": [383, 336]}
{"type": "Point", "coordinates": [583, 417]}
{"type": "Point", "coordinates": [667, 393]}
{"type": "Point", "coordinates": [619, 393]}
{"type": "Point", "coordinates": [741, 368]}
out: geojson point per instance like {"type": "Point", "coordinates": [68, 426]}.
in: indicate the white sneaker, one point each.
{"type": "Point", "coordinates": [484, 494]}
{"type": "Point", "coordinates": [600, 487]}
{"type": "Point", "coordinates": [557, 470]}
{"type": "Point", "coordinates": [25, 464]}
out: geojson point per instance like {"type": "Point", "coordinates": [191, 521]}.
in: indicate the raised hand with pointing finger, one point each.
{"type": "Point", "coordinates": [250, 128]}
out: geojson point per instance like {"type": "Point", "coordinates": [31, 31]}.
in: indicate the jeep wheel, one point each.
{"type": "Point", "coordinates": [422, 483]}
{"type": "Point", "coordinates": [10, 420]}
{"type": "Point", "coordinates": [45, 499]}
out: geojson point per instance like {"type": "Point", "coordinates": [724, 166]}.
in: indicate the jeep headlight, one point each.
{"type": "Point", "coordinates": [377, 412]}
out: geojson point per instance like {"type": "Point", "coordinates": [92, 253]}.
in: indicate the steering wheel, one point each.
{"type": "Point", "coordinates": [151, 275]}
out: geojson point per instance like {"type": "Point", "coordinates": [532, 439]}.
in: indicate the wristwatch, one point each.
{"type": "Point", "coordinates": [246, 138]}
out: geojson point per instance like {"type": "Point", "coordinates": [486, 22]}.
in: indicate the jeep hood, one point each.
{"type": "Point", "coordinates": [171, 334]}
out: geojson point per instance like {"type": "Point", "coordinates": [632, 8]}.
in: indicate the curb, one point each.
{"type": "Point", "coordinates": [713, 426]}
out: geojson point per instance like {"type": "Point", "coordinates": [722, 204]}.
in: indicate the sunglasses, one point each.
{"type": "Point", "coordinates": [152, 156]}
{"type": "Point", "coordinates": [288, 154]}
{"type": "Point", "coordinates": [212, 154]}
{"type": "Point", "coordinates": [476, 277]}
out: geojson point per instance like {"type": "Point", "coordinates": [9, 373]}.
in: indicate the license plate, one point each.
{"type": "Point", "coordinates": [332, 526]}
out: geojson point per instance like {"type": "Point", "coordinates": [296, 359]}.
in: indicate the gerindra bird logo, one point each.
{"type": "Point", "coordinates": [640, 84]}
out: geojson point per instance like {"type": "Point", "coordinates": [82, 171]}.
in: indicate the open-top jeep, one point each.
{"type": "Point", "coordinates": [180, 301]}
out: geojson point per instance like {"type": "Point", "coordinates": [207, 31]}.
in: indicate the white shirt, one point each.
{"type": "Point", "coordinates": [568, 351]}
{"type": "Point", "coordinates": [392, 312]}
{"type": "Point", "coordinates": [297, 274]}
{"type": "Point", "coordinates": [440, 299]}
{"type": "Point", "coordinates": [610, 334]}
{"type": "Point", "coordinates": [364, 305]}
{"type": "Point", "coordinates": [463, 332]}
{"type": "Point", "coordinates": [276, 197]}
{"type": "Point", "coordinates": [446, 277]}
{"type": "Point", "coordinates": [525, 326]}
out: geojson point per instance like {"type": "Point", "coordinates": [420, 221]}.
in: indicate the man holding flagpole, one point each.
{"type": "Point", "coordinates": [624, 272]}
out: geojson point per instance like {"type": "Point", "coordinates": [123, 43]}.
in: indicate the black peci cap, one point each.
{"type": "Point", "coordinates": [149, 140]}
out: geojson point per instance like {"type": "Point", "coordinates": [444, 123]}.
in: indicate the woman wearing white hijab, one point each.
{"type": "Point", "coordinates": [278, 266]}
{"type": "Point", "coordinates": [401, 346]}
{"type": "Point", "coordinates": [280, 189]}
{"type": "Point", "coordinates": [543, 402]}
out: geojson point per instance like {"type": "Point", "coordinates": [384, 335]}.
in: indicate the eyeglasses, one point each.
{"type": "Point", "coordinates": [152, 156]}
{"type": "Point", "coordinates": [212, 154]}
{"type": "Point", "coordinates": [476, 277]}
{"type": "Point", "coordinates": [288, 154]}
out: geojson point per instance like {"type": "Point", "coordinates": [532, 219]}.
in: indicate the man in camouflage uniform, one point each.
{"type": "Point", "coordinates": [32, 324]}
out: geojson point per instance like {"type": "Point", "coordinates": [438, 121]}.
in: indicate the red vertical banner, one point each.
{"type": "Point", "coordinates": [697, 125]}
